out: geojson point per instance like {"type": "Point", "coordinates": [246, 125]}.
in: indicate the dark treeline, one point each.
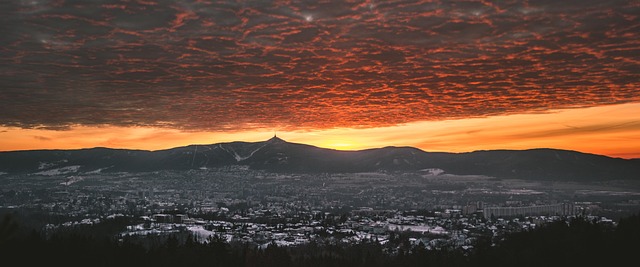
{"type": "Point", "coordinates": [578, 242]}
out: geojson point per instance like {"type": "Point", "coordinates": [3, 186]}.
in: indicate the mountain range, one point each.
{"type": "Point", "coordinates": [277, 155]}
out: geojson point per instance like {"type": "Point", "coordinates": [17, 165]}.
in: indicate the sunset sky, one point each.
{"type": "Point", "coordinates": [439, 75]}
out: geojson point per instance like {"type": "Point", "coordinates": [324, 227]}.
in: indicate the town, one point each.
{"type": "Point", "coordinates": [239, 205]}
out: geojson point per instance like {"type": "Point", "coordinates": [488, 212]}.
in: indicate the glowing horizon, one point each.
{"type": "Point", "coordinates": [441, 75]}
{"type": "Point", "coordinates": [612, 130]}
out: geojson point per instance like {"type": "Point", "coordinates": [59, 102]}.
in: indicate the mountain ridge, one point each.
{"type": "Point", "coordinates": [278, 155]}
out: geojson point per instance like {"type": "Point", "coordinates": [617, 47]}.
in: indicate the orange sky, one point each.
{"type": "Point", "coordinates": [441, 75]}
{"type": "Point", "coordinates": [612, 130]}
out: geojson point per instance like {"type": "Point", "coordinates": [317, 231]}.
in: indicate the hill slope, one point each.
{"type": "Point", "coordinates": [278, 155]}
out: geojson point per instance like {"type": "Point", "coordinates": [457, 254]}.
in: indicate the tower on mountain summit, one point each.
{"type": "Point", "coordinates": [275, 139]}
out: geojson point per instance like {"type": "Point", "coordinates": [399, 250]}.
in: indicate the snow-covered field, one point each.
{"type": "Point", "coordinates": [72, 180]}
{"type": "Point", "coordinates": [418, 228]}
{"type": "Point", "coordinates": [59, 171]}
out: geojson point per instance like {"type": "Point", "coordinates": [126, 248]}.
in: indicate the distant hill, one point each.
{"type": "Point", "coordinates": [277, 155]}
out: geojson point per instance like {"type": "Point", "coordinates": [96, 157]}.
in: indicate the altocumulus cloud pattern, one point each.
{"type": "Point", "coordinates": [203, 65]}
